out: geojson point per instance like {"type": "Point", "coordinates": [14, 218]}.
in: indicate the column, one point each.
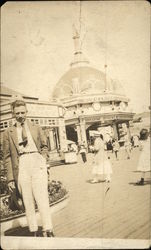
{"type": "Point", "coordinates": [128, 130]}
{"type": "Point", "coordinates": [78, 133]}
{"type": "Point", "coordinates": [115, 129]}
{"type": "Point", "coordinates": [57, 138]}
{"type": "Point", "coordinates": [51, 139]}
{"type": "Point", "coordinates": [62, 135]}
{"type": "Point", "coordinates": [83, 132]}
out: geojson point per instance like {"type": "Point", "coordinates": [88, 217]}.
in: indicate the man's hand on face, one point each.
{"type": "Point", "coordinates": [11, 186]}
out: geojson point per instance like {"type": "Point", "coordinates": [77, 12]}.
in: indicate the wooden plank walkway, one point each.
{"type": "Point", "coordinates": [123, 213]}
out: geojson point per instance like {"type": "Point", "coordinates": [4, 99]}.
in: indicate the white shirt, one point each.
{"type": "Point", "coordinates": [31, 146]}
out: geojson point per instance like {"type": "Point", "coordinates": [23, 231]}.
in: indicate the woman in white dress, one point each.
{"type": "Point", "coordinates": [102, 165]}
{"type": "Point", "coordinates": [144, 160]}
{"type": "Point", "coordinates": [128, 146]}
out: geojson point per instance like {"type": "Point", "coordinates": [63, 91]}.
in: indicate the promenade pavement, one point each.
{"type": "Point", "coordinates": [122, 212]}
{"type": "Point", "coordinates": [118, 210]}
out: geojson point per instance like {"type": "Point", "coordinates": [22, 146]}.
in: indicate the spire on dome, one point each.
{"type": "Point", "coordinates": [79, 58]}
{"type": "Point", "coordinates": [76, 38]}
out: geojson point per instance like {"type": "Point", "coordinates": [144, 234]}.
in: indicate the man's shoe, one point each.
{"type": "Point", "coordinates": [94, 181]}
{"type": "Point", "coordinates": [108, 181]}
{"type": "Point", "coordinates": [35, 234]}
{"type": "Point", "coordinates": [48, 234]}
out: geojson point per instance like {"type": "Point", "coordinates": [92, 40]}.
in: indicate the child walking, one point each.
{"type": "Point", "coordinates": [128, 147]}
{"type": "Point", "coordinates": [83, 153]}
{"type": "Point", "coordinates": [116, 148]}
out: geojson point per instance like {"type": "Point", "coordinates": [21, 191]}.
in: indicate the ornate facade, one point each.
{"type": "Point", "coordinates": [91, 100]}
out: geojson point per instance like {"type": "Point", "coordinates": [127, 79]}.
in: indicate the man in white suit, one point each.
{"type": "Point", "coordinates": [25, 151]}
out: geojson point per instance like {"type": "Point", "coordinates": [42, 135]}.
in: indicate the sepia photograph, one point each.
{"type": "Point", "coordinates": [75, 126]}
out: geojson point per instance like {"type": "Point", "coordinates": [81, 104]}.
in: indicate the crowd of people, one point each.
{"type": "Point", "coordinates": [100, 148]}
{"type": "Point", "coordinates": [101, 160]}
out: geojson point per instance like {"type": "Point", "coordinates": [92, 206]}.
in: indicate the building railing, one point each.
{"type": "Point", "coordinates": [43, 122]}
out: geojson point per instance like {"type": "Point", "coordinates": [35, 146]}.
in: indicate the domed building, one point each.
{"type": "Point", "coordinates": [91, 100]}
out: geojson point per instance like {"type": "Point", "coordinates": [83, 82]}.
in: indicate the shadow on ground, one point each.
{"type": "Point", "coordinates": [91, 181]}
{"type": "Point", "coordinates": [147, 182]}
{"type": "Point", "coordinates": [22, 231]}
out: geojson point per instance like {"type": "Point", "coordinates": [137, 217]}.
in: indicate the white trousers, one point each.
{"type": "Point", "coordinates": [33, 184]}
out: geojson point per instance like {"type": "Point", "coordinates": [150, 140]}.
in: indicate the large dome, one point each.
{"type": "Point", "coordinates": [83, 80]}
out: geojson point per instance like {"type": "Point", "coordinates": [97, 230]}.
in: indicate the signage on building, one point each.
{"type": "Point", "coordinates": [94, 99]}
{"type": "Point", "coordinates": [40, 110]}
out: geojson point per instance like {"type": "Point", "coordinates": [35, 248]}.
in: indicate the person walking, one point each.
{"type": "Point", "coordinates": [116, 148]}
{"type": "Point", "coordinates": [25, 153]}
{"type": "Point", "coordinates": [127, 145]}
{"type": "Point", "coordinates": [83, 153]}
{"type": "Point", "coordinates": [102, 165]}
{"type": "Point", "coordinates": [136, 141]}
{"type": "Point", "coordinates": [144, 159]}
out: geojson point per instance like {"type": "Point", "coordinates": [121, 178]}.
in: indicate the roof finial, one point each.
{"type": "Point", "coordinates": [79, 58]}
{"type": "Point", "coordinates": [76, 38]}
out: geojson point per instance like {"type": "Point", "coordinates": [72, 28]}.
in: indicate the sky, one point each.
{"type": "Point", "coordinates": [37, 46]}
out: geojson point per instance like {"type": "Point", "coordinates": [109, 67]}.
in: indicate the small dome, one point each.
{"type": "Point", "coordinates": [83, 80]}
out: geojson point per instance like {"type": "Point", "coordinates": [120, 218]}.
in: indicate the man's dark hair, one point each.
{"type": "Point", "coordinates": [18, 103]}
{"type": "Point", "coordinates": [144, 133]}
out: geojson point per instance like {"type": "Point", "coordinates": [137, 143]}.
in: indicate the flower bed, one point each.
{"type": "Point", "coordinates": [58, 199]}
{"type": "Point", "coordinates": [3, 181]}
{"type": "Point", "coordinates": [56, 193]}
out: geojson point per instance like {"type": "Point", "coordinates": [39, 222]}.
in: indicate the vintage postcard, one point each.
{"type": "Point", "coordinates": [75, 125]}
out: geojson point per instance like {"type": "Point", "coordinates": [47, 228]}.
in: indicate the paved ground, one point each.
{"type": "Point", "coordinates": [122, 212]}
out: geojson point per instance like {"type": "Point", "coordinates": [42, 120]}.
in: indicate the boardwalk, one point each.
{"type": "Point", "coordinates": [123, 212]}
